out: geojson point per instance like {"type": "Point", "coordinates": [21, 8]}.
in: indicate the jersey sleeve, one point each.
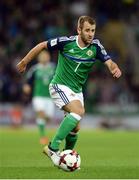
{"type": "Point", "coordinates": [30, 76]}
{"type": "Point", "coordinates": [101, 52]}
{"type": "Point", "coordinates": [57, 43]}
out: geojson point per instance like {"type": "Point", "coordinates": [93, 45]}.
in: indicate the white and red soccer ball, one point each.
{"type": "Point", "coordinates": [70, 160]}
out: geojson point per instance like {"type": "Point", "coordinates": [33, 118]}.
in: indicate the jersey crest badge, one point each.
{"type": "Point", "coordinates": [89, 53]}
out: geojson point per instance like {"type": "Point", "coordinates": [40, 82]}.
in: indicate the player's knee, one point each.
{"type": "Point", "coordinates": [41, 114]}
{"type": "Point", "coordinates": [80, 112]}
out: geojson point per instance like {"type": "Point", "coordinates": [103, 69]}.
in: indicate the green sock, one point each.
{"type": "Point", "coordinates": [71, 140]}
{"type": "Point", "coordinates": [41, 127]}
{"type": "Point", "coordinates": [68, 123]}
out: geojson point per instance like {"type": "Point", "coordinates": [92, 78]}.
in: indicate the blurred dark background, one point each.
{"type": "Point", "coordinates": [23, 24]}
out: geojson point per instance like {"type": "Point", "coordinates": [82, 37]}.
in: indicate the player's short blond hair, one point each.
{"type": "Point", "coordinates": [83, 19]}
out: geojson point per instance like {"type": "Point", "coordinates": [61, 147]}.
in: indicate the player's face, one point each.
{"type": "Point", "coordinates": [87, 32]}
{"type": "Point", "coordinates": [44, 57]}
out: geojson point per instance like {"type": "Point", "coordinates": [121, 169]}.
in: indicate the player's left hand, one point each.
{"type": "Point", "coordinates": [21, 66]}
{"type": "Point", "coordinates": [116, 72]}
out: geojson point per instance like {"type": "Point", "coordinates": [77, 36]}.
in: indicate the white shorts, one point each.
{"type": "Point", "coordinates": [63, 95]}
{"type": "Point", "coordinates": [44, 104]}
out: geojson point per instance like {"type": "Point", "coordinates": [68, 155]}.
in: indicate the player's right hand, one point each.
{"type": "Point", "coordinates": [21, 66]}
{"type": "Point", "coordinates": [27, 89]}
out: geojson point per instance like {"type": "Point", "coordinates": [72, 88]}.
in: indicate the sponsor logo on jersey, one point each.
{"type": "Point", "coordinates": [51, 153]}
{"type": "Point", "coordinates": [71, 50]}
{"type": "Point", "coordinates": [53, 93]}
{"type": "Point", "coordinates": [89, 53]}
{"type": "Point", "coordinates": [53, 42]}
{"type": "Point", "coordinates": [72, 94]}
{"type": "Point", "coordinates": [58, 141]}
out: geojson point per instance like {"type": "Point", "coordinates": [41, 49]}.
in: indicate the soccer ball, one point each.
{"type": "Point", "coordinates": [70, 160]}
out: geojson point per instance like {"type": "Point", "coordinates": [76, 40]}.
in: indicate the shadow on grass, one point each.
{"type": "Point", "coordinates": [86, 172]}
{"type": "Point", "coordinates": [38, 173]}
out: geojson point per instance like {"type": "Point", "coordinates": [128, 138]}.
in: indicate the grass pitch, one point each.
{"type": "Point", "coordinates": [104, 154]}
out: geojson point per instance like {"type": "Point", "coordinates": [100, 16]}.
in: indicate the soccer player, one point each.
{"type": "Point", "coordinates": [37, 81]}
{"type": "Point", "coordinates": [77, 54]}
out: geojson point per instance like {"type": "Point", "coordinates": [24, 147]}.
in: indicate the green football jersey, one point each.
{"type": "Point", "coordinates": [74, 62]}
{"type": "Point", "coordinates": [39, 76]}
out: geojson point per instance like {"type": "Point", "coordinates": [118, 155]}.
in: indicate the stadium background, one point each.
{"type": "Point", "coordinates": [109, 103]}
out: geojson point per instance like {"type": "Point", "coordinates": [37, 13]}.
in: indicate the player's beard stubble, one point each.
{"type": "Point", "coordinates": [86, 39]}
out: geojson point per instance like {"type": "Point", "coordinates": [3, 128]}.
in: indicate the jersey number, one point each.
{"type": "Point", "coordinates": [77, 67]}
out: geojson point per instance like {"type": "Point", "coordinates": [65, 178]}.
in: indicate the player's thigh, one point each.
{"type": "Point", "coordinates": [66, 99]}
{"type": "Point", "coordinates": [74, 106]}
{"type": "Point", "coordinates": [40, 114]}
{"type": "Point", "coordinates": [43, 106]}
{"type": "Point", "coordinates": [38, 103]}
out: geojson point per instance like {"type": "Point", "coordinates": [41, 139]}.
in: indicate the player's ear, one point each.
{"type": "Point", "coordinates": [78, 30]}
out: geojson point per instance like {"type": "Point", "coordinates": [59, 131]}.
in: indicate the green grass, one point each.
{"type": "Point", "coordinates": [104, 154]}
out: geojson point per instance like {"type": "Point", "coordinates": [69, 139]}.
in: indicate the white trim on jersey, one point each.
{"type": "Point", "coordinates": [65, 38]}
{"type": "Point", "coordinates": [103, 51]}
{"type": "Point", "coordinates": [96, 41]}
{"type": "Point", "coordinates": [79, 45]}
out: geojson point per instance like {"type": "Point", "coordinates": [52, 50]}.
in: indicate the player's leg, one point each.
{"type": "Point", "coordinates": [75, 112]}
{"type": "Point", "coordinates": [39, 108]}
{"type": "Point", "coordinates": [67, 100]}
{"type": "Point", "coordinates": [72, 137]}
{"type": "Point", "coordinates": [41, 123]}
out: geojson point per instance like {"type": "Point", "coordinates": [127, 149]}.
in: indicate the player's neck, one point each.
{"type": "Point", "coordinates": [80, 42]}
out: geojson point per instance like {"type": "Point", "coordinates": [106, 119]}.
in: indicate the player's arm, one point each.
{"type": "Point", "coordinates": [106, 59]}
{"type": "Point", "coordinates": [113, 68]}
{"type": "Point", "coordinates": [21, 66]}
{"type": "Point", "coordinates": [30, 78]}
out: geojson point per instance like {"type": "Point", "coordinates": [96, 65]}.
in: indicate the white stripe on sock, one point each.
{"type": "Point", "coordinates": [76, 116]}
{"type": "Point", "coordinates": [73, 133]}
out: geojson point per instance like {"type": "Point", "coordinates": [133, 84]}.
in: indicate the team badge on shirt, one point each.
{"type": "Point", "coordinates": [89, 53]}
